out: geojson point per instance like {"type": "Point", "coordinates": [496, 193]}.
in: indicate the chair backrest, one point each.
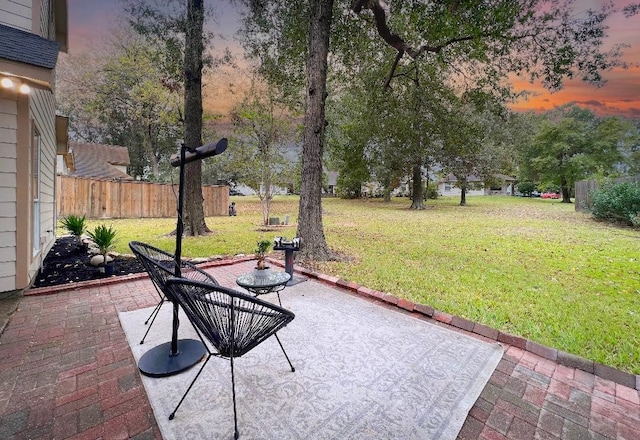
{"type": "Point", "coordinates": [161, 265]}
{"type": "Point", "coordinates": [232, 321]}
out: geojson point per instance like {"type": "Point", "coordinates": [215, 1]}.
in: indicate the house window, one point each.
{"type": "Point", "coordinates": [35, 189]}
{"type": "Point", "coordinates": [447, 186]}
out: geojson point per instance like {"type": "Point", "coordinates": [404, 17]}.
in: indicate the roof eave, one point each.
{"type": "Point", "coordinates": [38, 77]}
{"type": "Point", "coordinates": [62, 31]}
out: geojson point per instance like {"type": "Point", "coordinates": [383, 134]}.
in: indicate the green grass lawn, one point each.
{"type": "Point", "coordinates": [530, 267]}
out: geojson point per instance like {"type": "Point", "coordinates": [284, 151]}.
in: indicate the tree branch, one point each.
{"type": "Point", "coordinates": [380, 17]}
{"type": "Point", "coordinates": [393, 69]}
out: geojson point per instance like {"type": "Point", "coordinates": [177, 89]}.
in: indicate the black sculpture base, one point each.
{"type": "Point", "coordinates": [296, 280]}
{"type": "Point", "coordinates": [158, 362]}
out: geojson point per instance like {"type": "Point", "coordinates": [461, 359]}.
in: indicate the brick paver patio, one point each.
{"type": "Point", "coordinates": [66, 371]}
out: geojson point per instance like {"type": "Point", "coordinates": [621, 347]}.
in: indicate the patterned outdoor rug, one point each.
{"type": "Point", "coordinates": [362, 372]}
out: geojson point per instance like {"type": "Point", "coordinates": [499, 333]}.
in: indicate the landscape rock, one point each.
{"type": "Point", "coordinates": [98, 260]}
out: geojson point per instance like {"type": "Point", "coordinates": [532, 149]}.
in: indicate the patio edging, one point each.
{"type": "Point", "coordinates": [552, 354]}
{"type": "Point", "coordinates": [561, 357]}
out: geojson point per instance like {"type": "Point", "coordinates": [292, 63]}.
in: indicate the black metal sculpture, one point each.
{"type": "Point", "coordinates": [178, 355]}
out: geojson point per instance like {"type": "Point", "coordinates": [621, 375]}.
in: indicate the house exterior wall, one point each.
{"type": "Point", "coordinates": [451, 190]}
{"type": "Point", "coordinates": [21, 117]}
{"type": "Point", "coordinates": [35, 16]}
{"type": "Point", "coordinates": [8, 183]}
{"type": "Point", "coordinates": [42, 116]}
{"type": "Point", "coordinates": [17, 14]}
{"type": "Point", "coordinates": [61, 167]}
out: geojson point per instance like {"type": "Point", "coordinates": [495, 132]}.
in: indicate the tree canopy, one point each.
{"type": "Point", "coordinates": [263, 135]}
{"type": "Point", "coordinates": [473, 45]}
{"type": "Point", "coordinates": [116, 95]}
{"type": "Point", "coordinates": [573, 143]}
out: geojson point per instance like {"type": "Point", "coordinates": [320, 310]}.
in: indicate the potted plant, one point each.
{"type": "Point", "coordinates": [261, 252]}
{"type": "Point", "coordinates": [75, 226]}
{"type": "Point", "coordinates": [104, 238]}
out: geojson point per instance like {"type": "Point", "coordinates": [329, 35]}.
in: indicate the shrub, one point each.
{"type": "Point", "coordinates": [104, 238]}
{"type": "Point", "coordinates": [261, 252]}
{"type": "Point", "coordinates": [432, 191]}
{"type": "Point", "coordinates": [526, 188]}
{"type": "Point", "coordinates": [617, 202]}
{"type": "Point", "coordinates": [75, 225]}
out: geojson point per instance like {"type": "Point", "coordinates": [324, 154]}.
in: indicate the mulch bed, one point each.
{"type": "Point", "coordinates": [66, 263]}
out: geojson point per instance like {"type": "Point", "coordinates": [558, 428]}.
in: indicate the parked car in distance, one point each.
{"type": "Point", "coordinates": [550, 195]}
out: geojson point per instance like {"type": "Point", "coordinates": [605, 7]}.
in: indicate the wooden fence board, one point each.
{"type": "Point", "coordinates": [130, 199]}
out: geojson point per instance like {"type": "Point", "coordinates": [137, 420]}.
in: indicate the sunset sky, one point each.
{"type": "Point", "coordinates": [91, 20]}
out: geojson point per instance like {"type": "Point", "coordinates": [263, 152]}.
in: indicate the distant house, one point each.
{"type": "Point", "coordinates": [501, 185]}
{"type": "Point", "coordinates": [32, 33]}
{"type": "Point", "coordinates": [332, 182]}
{"type": "Point", "coordinates": [96, 161]}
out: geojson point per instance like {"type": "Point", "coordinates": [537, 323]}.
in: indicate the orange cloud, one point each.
{"type": "Point", "coordinates": [620, 95]}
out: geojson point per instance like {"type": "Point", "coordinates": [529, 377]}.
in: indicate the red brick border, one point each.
{"type": "Point", "coordinates": [552, 354]}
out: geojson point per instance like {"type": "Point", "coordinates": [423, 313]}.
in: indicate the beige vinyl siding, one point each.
{"type": "Point", "coordinates": [46, 20]}
{"type": "Point", "coordinates": [16, 13]}
{"type": "Point", "coordinates": [42, 111]}
{"type": "Point", "coordinates": [8, 178]}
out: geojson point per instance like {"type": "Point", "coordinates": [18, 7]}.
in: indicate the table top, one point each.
{"type": "Point", "coordinates": [263, 279]}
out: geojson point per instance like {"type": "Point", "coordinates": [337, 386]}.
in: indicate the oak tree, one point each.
{"type": "Point", "coordinates": [479, 44]}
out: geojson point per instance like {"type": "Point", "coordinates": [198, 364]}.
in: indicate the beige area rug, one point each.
{"type": "Point", "coordinates": [363, 371]}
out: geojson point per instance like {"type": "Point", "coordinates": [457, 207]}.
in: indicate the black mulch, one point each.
{"type": "Point", "coordinates": [67, 263]}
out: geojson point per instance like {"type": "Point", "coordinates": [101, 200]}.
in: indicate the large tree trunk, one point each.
{"type": "Point", "coordinates": [566, 194]}
{"type": "Point", "coordinates": [193, 210]}
{"type": "Point", "coordinates": [463, 195]}
{"type": "Point", "coordinates": [417, 197]}
{"type": "Point", "coordinates": [310, 229]}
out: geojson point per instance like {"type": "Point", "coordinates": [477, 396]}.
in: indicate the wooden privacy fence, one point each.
{"type": "Point", "coordinates": [130, 199]}
{"type": "Point", "coordinates": [583, 200]}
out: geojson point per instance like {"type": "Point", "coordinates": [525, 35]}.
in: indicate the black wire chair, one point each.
{"type": "Point", "coordinates": [233, 322]}
{"type": "Point", "coordinates": [161, 265]}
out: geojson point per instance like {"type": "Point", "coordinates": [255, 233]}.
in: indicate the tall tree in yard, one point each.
{"type": "Point", "coordinates": [310, 228]}
{"type": "Point", "coordinates": [477, 43]}
{"type": "Point", "coordinates": [180, 29]}
{"type": "Point", "coordinates": [573, 143]}
{"type": "Point", "coordinates": [294, 55]}
{"type": "Point", "coordinates": [262, 131]}
{"type": "Point", "coordinates": [193, 214]}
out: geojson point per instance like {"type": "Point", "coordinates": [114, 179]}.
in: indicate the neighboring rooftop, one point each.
{"type": "Point", "coordinates": [99, 161]}
{"type": "Point", "coordinates": [474, 178]}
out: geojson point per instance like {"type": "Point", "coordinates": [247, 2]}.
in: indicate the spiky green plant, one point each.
{"type": "Point", "coordinates": [75, 225]}
{"type": "Point", "coordinates": [104, 237]}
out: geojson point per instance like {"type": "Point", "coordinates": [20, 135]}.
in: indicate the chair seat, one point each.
{"type": "Point", "coordinates": [161, 265]}
{"type": "Point", "coordinates": [233, 322]}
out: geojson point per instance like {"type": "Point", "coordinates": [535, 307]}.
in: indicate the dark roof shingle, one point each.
{"type": "Point", "coordinates": [24, 47]}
